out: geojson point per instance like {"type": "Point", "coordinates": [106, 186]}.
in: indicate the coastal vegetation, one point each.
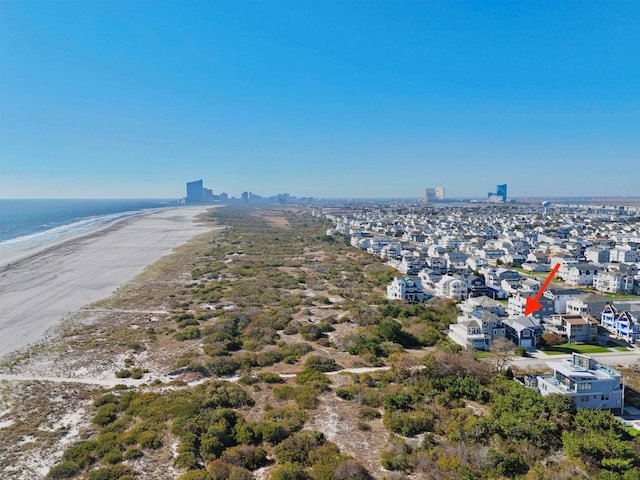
{"type": "Point", "coordinates": [267, 350]}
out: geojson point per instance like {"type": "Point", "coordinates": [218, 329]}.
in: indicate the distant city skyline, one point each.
{"type": "Point", "coordinates": [324, 99]}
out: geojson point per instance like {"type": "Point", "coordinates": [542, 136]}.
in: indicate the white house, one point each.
{"type": "Point", "coordinates": [496, 276]}
{"type": "Point", "coordinates": [405, 288]}
{"type": "Point", "coordinates": [578, 273]}
{"type": "Point", "coordinates": [457, 262]}
{"type": "Point", "coordinates": [468, 333]}
{"type": "Point", "coordinates": [452, 287]}
{"type": "Point", "coordinates": [613, 282]}
{"type": "Point", "coordinates": [517, 305]}
{"type": "Point", "coordinates": [438, 264]}
{"type": "Point", "coordinates": [476, 263]}
{"type": "Point", "coordinates": [482, 304]}
{"type": "Point", "coordinates": [596, 255]}
{"type": "Point", "coordinates": [590, 303]}
{"type": "Point", "coordinates": [623, 255]}
{"type": "Point", "coordinates": [591, 384]}
{"type": "Point", "coordinates": [477, 330]}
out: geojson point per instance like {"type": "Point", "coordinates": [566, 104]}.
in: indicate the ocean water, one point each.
{"type": "Point", "coordinates": [38, 221]}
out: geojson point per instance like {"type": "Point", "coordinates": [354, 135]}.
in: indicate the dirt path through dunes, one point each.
{"type": "Point", "coordinates": [112, 382]}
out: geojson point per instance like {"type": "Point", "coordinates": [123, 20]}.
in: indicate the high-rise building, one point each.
{"type": "Point", "coordinates": [195, 191]}
{"type": "Point", "coordinates": [500, 196]}
{"type": "Point", "coordinates": [433, 194]}
{"type": "Point", "coordinates": [429, 194]}
{"type": "Point", "coordinates": [502, 192]}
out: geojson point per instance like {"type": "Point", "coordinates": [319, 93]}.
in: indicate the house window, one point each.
{"type": "Point", "coordinates": [584, 398]}
{"type": "Point", "coordinates": [604, 397]}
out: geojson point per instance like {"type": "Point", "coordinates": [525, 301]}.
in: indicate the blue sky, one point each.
{"type": "Point", "coordinates": [319, 98]}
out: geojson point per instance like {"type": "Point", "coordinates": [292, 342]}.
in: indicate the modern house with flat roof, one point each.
{"type": "Point", "coordinates": [590, 383]}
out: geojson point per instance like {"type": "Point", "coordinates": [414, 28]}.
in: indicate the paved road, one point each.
{"type": "Point", "coordinates": [613, 359]}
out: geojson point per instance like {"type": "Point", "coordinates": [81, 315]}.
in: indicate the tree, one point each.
{"type": "Point", "coordinates": [552, 339]}
{"type": "Point", "coordinates": [390, 330]}
{"type": "Point", "coordinates": [351, 470]}
{"type": "Point", "coordinates": [502, 350]}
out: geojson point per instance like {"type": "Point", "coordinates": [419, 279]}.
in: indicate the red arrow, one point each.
{"type": "Point", "coordinates": [532, 303]}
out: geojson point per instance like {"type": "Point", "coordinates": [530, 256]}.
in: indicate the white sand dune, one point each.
{"type": "Point", "coordinates": [36, 292]}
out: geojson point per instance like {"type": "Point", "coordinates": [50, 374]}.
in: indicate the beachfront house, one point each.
{"type": "Point", "coordinates": [405, 288]}
{"type": "Point", "coordinates": [477, 330]}
{"type": "Point", "coordinates": [591, 384]}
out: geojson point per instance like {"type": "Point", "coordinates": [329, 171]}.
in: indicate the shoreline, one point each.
{"type": "Point", "coordinates": [11, 256]}
{"type": "Point", "coordinates": [39, 288]}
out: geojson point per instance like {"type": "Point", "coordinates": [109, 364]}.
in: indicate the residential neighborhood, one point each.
{"type": "Point", "coordinates": [491, 259]}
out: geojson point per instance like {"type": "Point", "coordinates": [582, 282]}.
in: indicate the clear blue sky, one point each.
{"type": "Point", "coordinates": [319, 98]}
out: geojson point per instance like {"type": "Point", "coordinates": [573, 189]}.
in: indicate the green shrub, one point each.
{"type": "Point", "coordinates": [190, 322]}
{"type": "Point", "coordinates": [116, 472]}
{"type": "Point", "coordinates": [132, 454]}
{"type": "Point", "coordinates": [351, 470]}
{"type": "Point", "coordinates": [65, 469]}
{"type": "Point", "coordinates": [195, 475]}
{"type": "Point", "coordinates": [321, 364]}
{"type": "Point", "coordinates": [278, 423]}
{"type": "Point", "coordinates": [137, 373]}
{"type": "Point", "coordinates": [346, 393]}
{"type": "Point", "coordinates": [124, 373]}
{"type": "Point", "coordinates": [368, 413]}
{"type": "Point", "coordinates": [269, 377]}
{"type": "Point", "coordinates": [189, 333]}
{"type": "Point", "coordinates": [224, 394]}
{"type": "Point", "coordinates": [150, 439]}
{"type": "Point", "coordinates": [105, 415]}
{"type": "Point", "coordinates": [246, 456]}
{"type": "Point", "coordinates": [520, 351]}
{"type": "Point", "coordinates": [248, 380]}
{"type": "Point", "coordinates": [186, 460]}
{"type": "Point", "coordinates": [82, 454]}
{"type": "Point", "coordinates": [218, 470]}
{"type": "Point", "coordinates": [409, 423]}
{"type": "Point", "coordinates": [363, 426]}
{"type": "Point", "coordinates": [239, 473]}
{"type": "Point", "coordinates": [112, 457]}
{"type": "Point", "coordinates": [292, 328]}
{"type": "Point", "coordinates": [284, 392]}
{"type": "Point", "coordinates": [306, 398]}
{"type": "Point", "coordinates": [289, 471]}
{"type": "Point", "coordinates": [313, 378]}
{"type": "Point", "coordinates": [223, 366]}
{"type": "Point", "coordinates": [296, 448]}
{"type": "Point", "coordinates": [108, 398]}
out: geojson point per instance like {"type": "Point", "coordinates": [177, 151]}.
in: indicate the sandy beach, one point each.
{"type": "Point", "coordinates": [38, 291]}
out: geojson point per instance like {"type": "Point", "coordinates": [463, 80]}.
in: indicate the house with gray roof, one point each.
{"type": "Point", "coordinates": [405, 288]}
{"type": "Point", "coordinates": [523, 331]}
{"type": "Point", "coordinates": [477, 330]}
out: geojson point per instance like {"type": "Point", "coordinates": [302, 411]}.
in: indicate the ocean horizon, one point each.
{"type": "Point", "coordinates": [25, 222]}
